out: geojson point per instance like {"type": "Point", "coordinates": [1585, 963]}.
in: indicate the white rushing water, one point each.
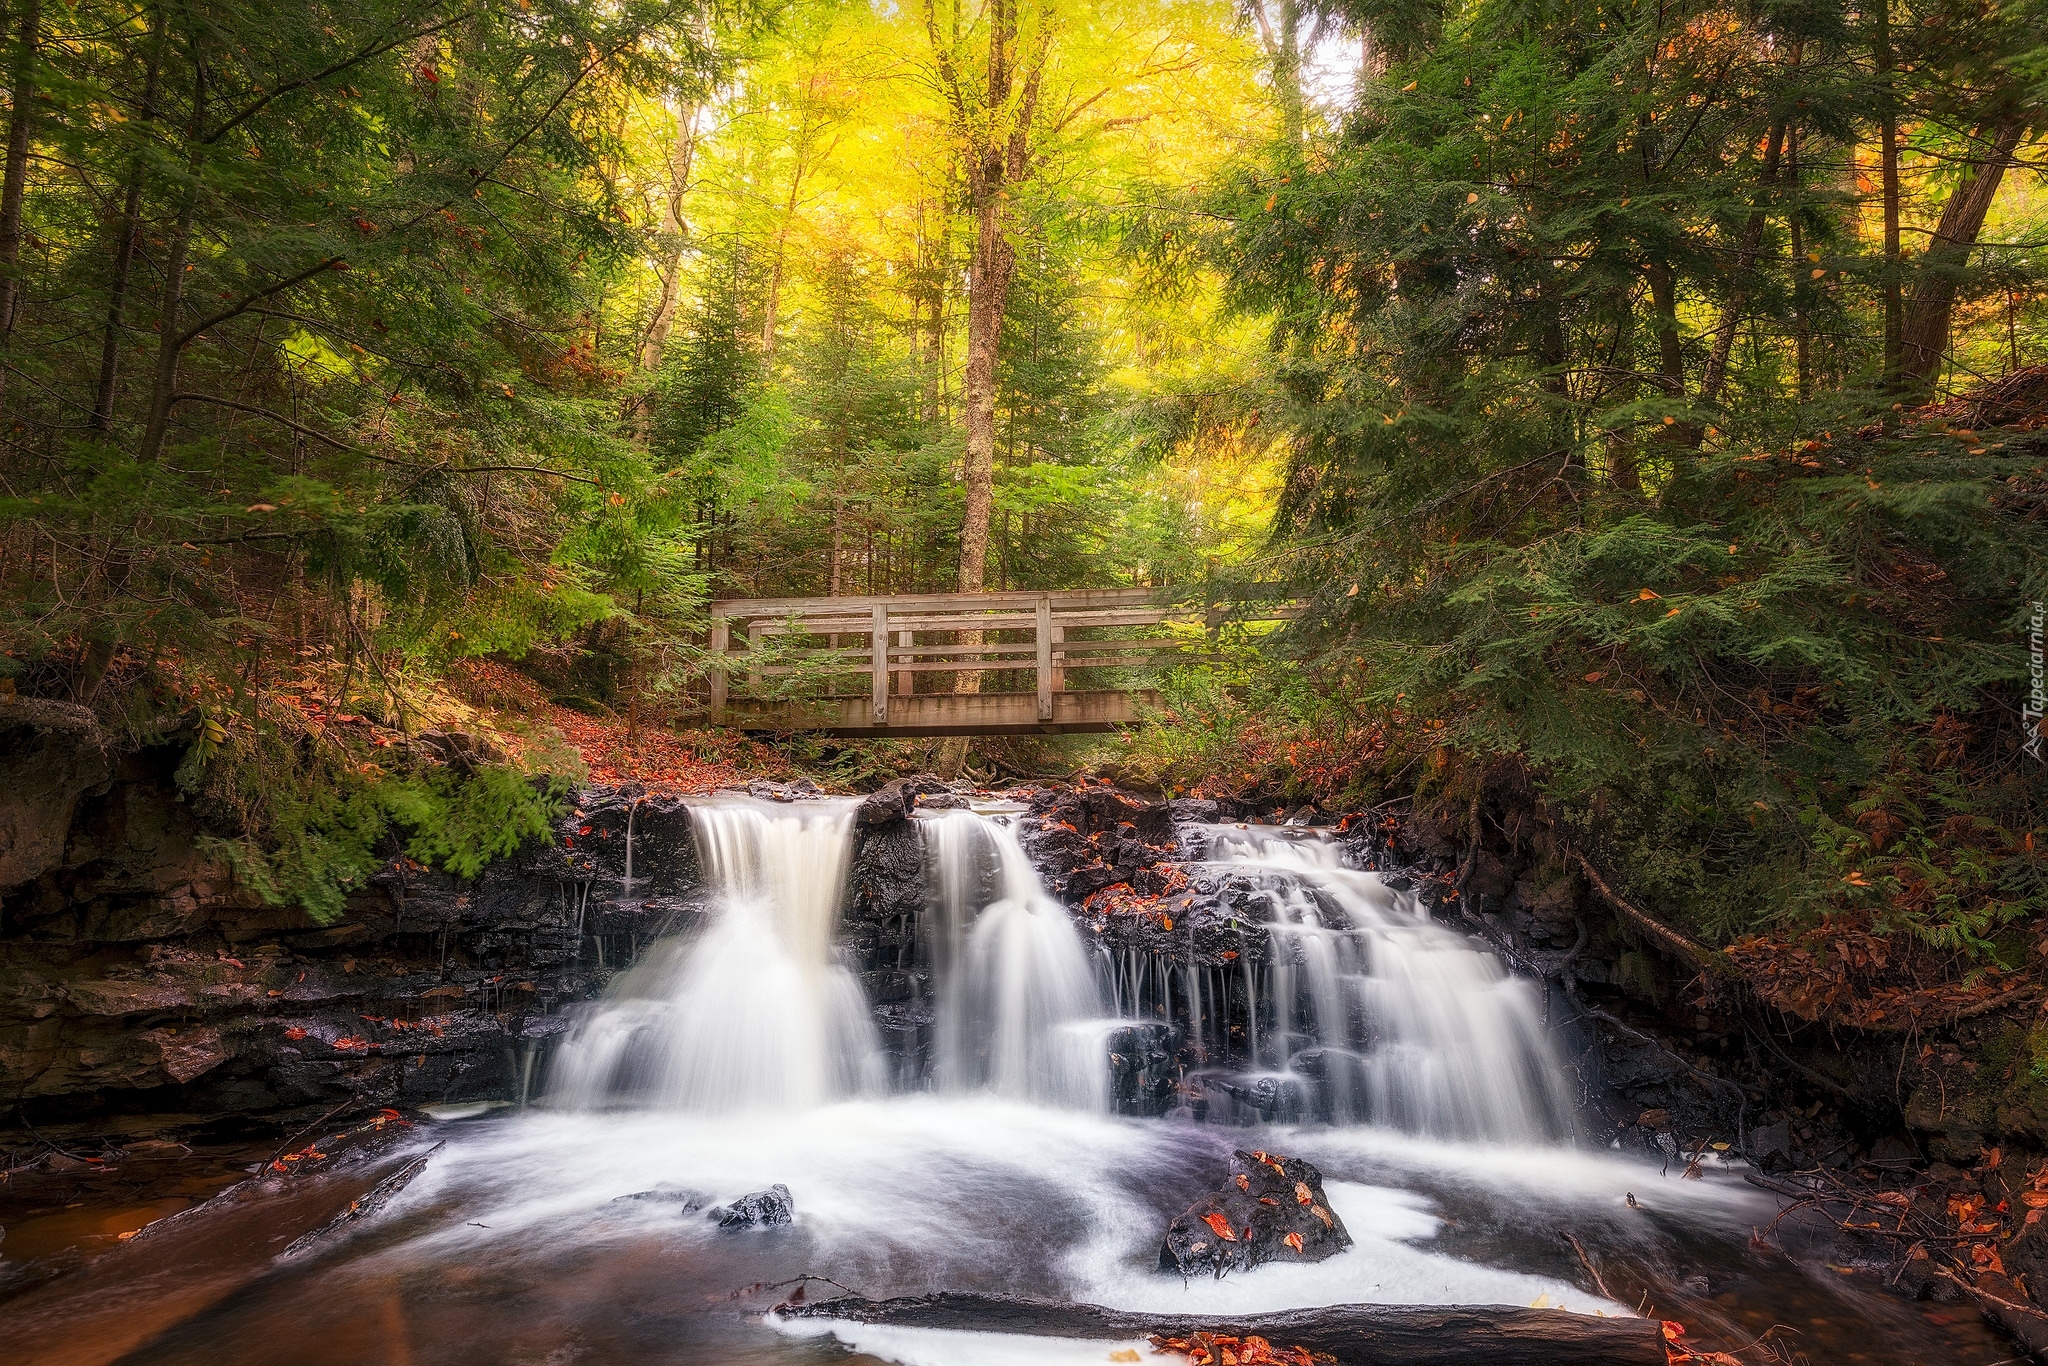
{"type": "Point", "coordinates": [1018, 1010]}
{"type": "Point", "coordinates": [754, 1010]}
{"type": "Point", "coordinates": [1401, 1021]}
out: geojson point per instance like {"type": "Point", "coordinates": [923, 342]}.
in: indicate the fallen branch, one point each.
{"type": "Point", "coordinates": [1711, 959]}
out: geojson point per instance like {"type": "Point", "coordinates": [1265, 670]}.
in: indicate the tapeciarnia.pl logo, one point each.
{"type": "Point", "coordinates": [2037, 691]}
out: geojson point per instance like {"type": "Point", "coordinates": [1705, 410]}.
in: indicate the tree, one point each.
{"type": "Point", "coordinates": [990, 70]}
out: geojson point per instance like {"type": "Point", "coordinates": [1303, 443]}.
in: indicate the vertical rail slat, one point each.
{"type": "Point", "coordinates": [721, 637]}
{"type": "Point", "coordinates": [1059, 660]}
{"type": "Point", "coordinates": [1042, 637]}
{"type": "Point", "coordinates": [755, 635]}
{"type": "Point", "coordinates": [906, 681]}
{"type": "Point", "coordinates": [879, 641]}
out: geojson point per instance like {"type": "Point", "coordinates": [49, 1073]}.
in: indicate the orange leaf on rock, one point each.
{"type": "Point", "coordinates": [1244, 1183]}
{"type": "Point", "coordinates": [1220, 1226]}
{"type": "Point", "coordinates": [1293, 1240]}
{"type": "Point", "coordinates": [1302, 1195]}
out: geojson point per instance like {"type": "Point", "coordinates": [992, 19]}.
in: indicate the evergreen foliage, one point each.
{"type": "Point", "coordinates": [1600, 462]}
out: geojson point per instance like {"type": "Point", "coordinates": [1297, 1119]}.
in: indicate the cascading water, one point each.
{"type": "Point", "coordinates": [754, 1010]}
{"type": "Point", "coordinates": [1392, 1018]}
{"type": "Point", "coordinates": [1018, 1009]}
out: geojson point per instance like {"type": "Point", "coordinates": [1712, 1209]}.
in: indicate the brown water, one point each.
{"type": "Point", "coordinates": [511, 1246]}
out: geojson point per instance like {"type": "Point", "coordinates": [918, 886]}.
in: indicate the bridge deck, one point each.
{"type": "Point", "coordinates": [793, 657]}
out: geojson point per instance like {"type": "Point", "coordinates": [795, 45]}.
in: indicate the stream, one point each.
{"type": "Point", "coordinates": [1392, 1052]}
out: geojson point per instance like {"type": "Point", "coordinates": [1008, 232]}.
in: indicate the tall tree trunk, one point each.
{"type": "Point", "coordinates": [988, 291]}
{"type": "Point", "coordinates": [14, 183]}
{"type": "Point", "coordinates": [674, 235]}
{"type": "Point", "coordinates": [1888, 170]}
{"type": "Point", "coordinates": [170, 314]}
{"type": "Point", "coordinates": [1716, 372]}
{"type": "Point", "coordinates": [1924, 336]}
{"type": "Point", "coordinates": [1802, 284]}
{"type": "Point", "coordinates": [130, 230]}
{"type": "Point", "coordinates": [1282, 41]}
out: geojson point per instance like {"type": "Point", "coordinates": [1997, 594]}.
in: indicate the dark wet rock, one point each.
{"type": "Point", "coordinates": [1272, 1209]}
{"type": "Point", "coordinates": [1144, 1069]}
{"type": "Point", "coordinates": [763, 1209]}
{"type": "Point", "coordinates": [886, 805]}
{"type": "Point", "coordinates": [139, 978]}
{"type": "Point", "coordinates": [1771, 1147]}
{"type": "Point", "coordinates": [687, 1201]}
{"type": "Point", "coordinates": [1347, 1334]}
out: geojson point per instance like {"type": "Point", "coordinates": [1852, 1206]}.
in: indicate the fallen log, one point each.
{"type": "Point", "coordinates": [1353, 1334]}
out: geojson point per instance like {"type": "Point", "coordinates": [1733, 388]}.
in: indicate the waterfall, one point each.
{"type": "Point", "coordinates": [1400, 1020]}
{"type": "Point", "coordinates": [1018, 1011]}
{"type": "Point", "coordinates": [752, 1010]}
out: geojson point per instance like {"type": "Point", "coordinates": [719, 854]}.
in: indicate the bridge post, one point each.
{"type": "Point", "coordinates": [721, 637]}
{"type": "Point", "coordinates": [1042, 636]}
{"type": "Point", "coordinates": [879, 643]}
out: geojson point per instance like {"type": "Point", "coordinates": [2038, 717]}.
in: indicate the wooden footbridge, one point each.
{"type": "Point", "coordinates": [992, 663]}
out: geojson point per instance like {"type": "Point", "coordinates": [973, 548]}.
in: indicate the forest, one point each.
{"type": "Point", "coordinates": [389, 340]}
{"type": "Point", "coordinates": [1605, 443]}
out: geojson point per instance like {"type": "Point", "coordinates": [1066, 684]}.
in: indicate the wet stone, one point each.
{"type": "Point", "coordinates": [763, 1209]}
{"type": "Point", "coordinates": [1271, 1210]}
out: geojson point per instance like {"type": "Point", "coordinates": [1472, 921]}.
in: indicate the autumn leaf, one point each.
{"type": "Point", "coordinates": [295, 1033]}
{"type": "Point", "coordinates": [1302, 1195]}
{"type": "Point", "coordinates": [1293, 1240]}
{"type": "Point", "coordinates": [1319, 1212]}
{"type": "Point", "coordinates": [1244, 1183]}
{"type": "Point", "coordinates": [1220, 1226]}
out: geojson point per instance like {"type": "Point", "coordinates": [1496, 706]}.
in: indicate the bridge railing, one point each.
{"type": "Point", "coordinates": [802, 643]}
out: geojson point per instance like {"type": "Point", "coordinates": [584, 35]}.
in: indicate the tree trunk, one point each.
{"type": "Point", "coordinates": [1282, 42]}
{"type": "Point", "coordinates": [1924, 335]}
{"type": "Point", "coordinates": [170, 315]}
{"type": "Point", "coordinates": [1888, 170]}
{"type": "Point", "coordinates": [1348, 1334]}
{"type": "Point", "coordinates": [14, 185]}
{"type": "Point", "coordinates": [988, 292]}
{"type": "Point", "coordinates": [1802, 282]}
{"type": "Point", "coordinates": [124, 251]}
{"type": "Point", "coordinates": [674, 231]}
{"type": "Point", "coordinates": [1716, 372]}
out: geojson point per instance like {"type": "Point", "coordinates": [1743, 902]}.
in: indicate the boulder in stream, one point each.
{"type": "Point", "coordinates": [763, 1209]}
{"type": "Point", "coordinates": [1273, 1209]}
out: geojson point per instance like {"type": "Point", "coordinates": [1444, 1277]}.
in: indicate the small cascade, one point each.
{"type": "Point", "coordinates": [754, 1009]}
{"type": "Point", "coordinates": [1381, 1013]}
{"type": "Point", "coordinates": [1018, 1011]}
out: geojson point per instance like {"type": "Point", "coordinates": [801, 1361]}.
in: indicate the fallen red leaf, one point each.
{"type": "Point", "coordinates": [1220, 1226]}
{"type": "Point", "coordinates": [1293, 1240]}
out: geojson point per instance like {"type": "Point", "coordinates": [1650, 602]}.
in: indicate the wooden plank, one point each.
{"type": "Point", "coordinates": [1042, 638]}
{"type": "Point", "coordinates": [915, 602]}
{"type": "Point", "coordinates": [754, 652]}
{"type": "Point", "coordinates": [905, 683]}
{"type": "Point", "coordinates": [1059, 672]}
{"type": "Point", "coordinates": [928, 714]}
{"type": "Point", "coordinates": [1011, 621]}
{"type": "Point", "coordinates": [880, 641]}
{"type": "Point", "coordinates": [720, 643]}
